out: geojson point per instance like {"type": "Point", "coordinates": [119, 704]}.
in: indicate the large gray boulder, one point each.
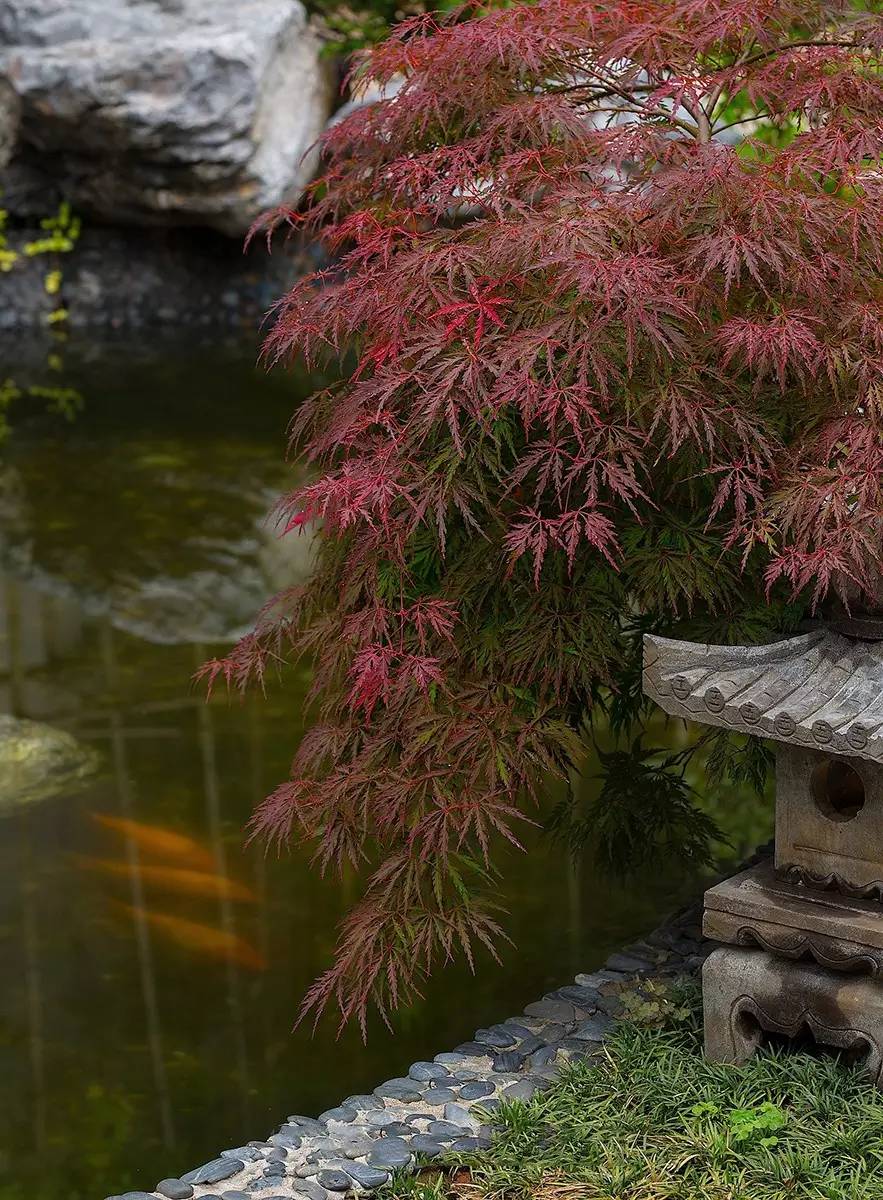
{"type": "Point", "coordinates": [167, 111]}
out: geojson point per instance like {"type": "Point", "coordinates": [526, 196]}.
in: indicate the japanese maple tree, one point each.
{"type": "Point", "coordinates": [611, 274]}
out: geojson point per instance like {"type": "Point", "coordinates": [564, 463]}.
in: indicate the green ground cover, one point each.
{"type": "Point", "coordinates": [649, 1118]}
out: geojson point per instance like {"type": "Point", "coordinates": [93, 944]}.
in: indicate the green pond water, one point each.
{"type": "Point", "coordinates": [144, 1027]}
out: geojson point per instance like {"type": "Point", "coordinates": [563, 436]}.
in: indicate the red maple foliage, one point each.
{"type": "Point", "coordinates": [612, 273]}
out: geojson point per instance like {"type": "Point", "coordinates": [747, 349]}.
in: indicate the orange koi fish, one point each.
{"type": "Point", "coordinates": [174, 879]}
{"type": "Point", "coordinates": [165, 843]}
{"type": "Point", "coordinates": [204, 940]}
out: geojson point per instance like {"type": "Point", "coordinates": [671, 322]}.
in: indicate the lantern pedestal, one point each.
{"type": "Point", "coordinates": [747, 993]}
{"type": "Point", "coordinates": [758, 909]}
{"type": "Point", "coordinates": [804, 935]}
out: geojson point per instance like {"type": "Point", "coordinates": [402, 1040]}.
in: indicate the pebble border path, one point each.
{"type": "Point", "coordinates": [354, 1147]}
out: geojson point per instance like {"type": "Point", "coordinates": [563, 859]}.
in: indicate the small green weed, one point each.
{"type": "Point", "coordinates": [654, 1003]}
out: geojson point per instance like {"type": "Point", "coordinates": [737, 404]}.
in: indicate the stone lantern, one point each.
{"type": "Point", "coordinates": [803, 934]}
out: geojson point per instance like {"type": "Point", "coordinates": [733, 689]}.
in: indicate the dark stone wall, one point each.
{"type": "Point", "coordinates": [117, 278]}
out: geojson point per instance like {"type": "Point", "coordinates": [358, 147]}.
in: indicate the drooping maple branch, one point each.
{"type": "Point", "coordinates": [611, 375]}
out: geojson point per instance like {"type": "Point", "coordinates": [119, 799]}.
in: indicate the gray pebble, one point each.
{"type": "Point", "coordinates": [380, 1117]}
{"type": "Point", "coordinates": [367, 1177]}
{"type": "Point", "coordinates": [424, 1072]}
{"type": "Point", "coordinates": [439, 1095]}
{"type": "Point", "coordinates": [334, 1181]}
{"type": "Point", "coordinates": [362, 1103]}
{"type": "Point", "coordinates": [524, 1089]}
{"type": "Point", "coordinates": [277, 1154]}
{"type": "Point", "coordinates": [248, 1153]}
{"type": "Point", "coordinates": [516, 1027]}
{"type": "Point", "coordinates": [584, 997]}
{"type": "Point", "coordinates": [472, 1050]}
{"type": "Point", "coordinates": [390, 1153]}
{"type": "Point", "coordinates": [357, 1147]}
{"type": "Point", "coordinates": [552, 1010]}
{"type": "Point", "coordinates": [509, 1060]}
{"type": "Point", "coordinates": [174, 1189]}
{"type": "Point", "coordinates": [398, 1089]}
{"type": "Point", "coordinates": [531, 1045]}
{"type": "Point", "coordinates": [497, 1036]}
{"type": "Point", "coordinates": [306, 1170]}
{"type": "Point", "coordinates": [423, 1143]}
{"type": "Point", "coordinates": [552, 1032]}
{"type": "Point", "coordinates": [396, 1129]}
{"type": "Point", "coordinates": [477, 1090]}
{"type": "Point", "coordinates": [133, 1196]}
{"type": "Point", "coordinates": [628, 963]}
{"type": "Point", "coordinates": [234, 1196]}
{"type": "Point", "coordinates": [612, 1005]}
{"type": "Point", "coordinates": [342, 1113]}
{"type": "Point", "coordinates": [491, 1106]}
{"type": "Point", "coordinates": [468, 1144]}
{"type": "Point", "coordinates": [588, 981]}
{"type": "Point", "coordinates": [447, 1058]}
{"type": "Point", "coordinates": [287, 1138]}
{"type": "Point", "coordinates": [214, 1171]}
{"type": "Point", "coordinates": [577, 1051]}
{"type": "Point", "coordinates": [390, 1144]}
{"type": "Point", "coordinates": [459, 1115]}
{"type": "Point", "coordinates": [545, 1054]}
{"type": "Point", "coordinates": [593, 1029]}
{"type": "Point", "coordinates": [305, 1124]}
{"type": "Point", "coordinates": [308, 1188]}
{"type": "Point", "coordinates": [445, 1130]}
{"type": "Point", "coordinates": [571, 1044]}
{"type": "Point", "coordinates": [321, 1145]}
{"type": "Point", "coordinates": [274, 1169]}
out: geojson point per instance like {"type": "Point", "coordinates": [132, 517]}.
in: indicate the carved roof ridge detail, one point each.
{"type": "Point", "coordinates": [818, 689]}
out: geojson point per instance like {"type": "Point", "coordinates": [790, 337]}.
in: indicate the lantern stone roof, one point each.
{"type": "Point", "coordinates": [819, 690]}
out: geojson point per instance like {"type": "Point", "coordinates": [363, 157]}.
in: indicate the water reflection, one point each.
{"type": "Point", "coordinates": [143, 1030]}
{"type": "Point", "coordinates": [139, 1030]}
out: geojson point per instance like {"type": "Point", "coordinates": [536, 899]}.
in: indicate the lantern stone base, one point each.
{"type": "Point", "coordinates": [758, 909]}
{"type": "Point", "coordinates": [748, 993]}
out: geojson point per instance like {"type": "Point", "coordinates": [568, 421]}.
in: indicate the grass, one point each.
{"type": "Point", "coordinates": [650, 1119]}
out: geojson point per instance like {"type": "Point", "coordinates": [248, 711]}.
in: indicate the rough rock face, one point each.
{"type": "Point", "coordinates": [166, 111]}
{"type": "Point", "coordinates": [10, 114]}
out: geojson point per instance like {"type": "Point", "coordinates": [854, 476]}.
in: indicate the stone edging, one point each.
{"type": "Point", "coordinates": [353, 1148]}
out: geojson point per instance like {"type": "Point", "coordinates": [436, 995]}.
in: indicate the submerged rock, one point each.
{"type": "Point", "coordinates": [38, 761]}
{"type": "Point", "coordinates": [186, 553]}
{"type": "Point", "coordinates": [194, 112]}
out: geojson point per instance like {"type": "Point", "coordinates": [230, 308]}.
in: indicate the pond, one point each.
{"type": "Point", "coordinates": [146, 1016]}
